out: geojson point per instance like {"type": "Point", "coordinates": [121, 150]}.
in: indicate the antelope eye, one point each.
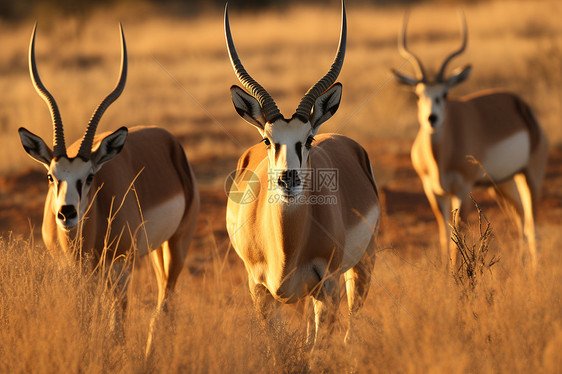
{"type": "Point", "coordinates": [89, 179]}
{"type": "Point", "coordinates": [437, 100]}
{"type": "Point", "coordinates": [266, 142]}
{"type": "Point", "coordinates": [50, 178]}
{"type": "Point", "coordinates": [309, 141]}
{"type": "Point", "coordinates": [445, 95]}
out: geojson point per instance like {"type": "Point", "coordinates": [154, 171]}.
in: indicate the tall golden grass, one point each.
{"type": "Point", "coordinates": [56, 316]}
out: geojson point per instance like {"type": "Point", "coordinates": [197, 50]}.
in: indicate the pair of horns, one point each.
{"type": "Point", "coordinates": [269, 108]}
{"type": "Point", "coordinates": [420, 71]}
{"type": "Point", "coordinates": [59, 147]}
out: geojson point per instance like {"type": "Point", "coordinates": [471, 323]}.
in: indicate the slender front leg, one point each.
{"type": "Point", "coordinates": [310, 323]}
{"type": "Point", "coordinates": [445, 207]}
{"type": "Point", "coordinates": [157, 260]}
{"type": "Point", "coordinates": [357, 283]}
{"type": "Point", "coordinates": [456, 207]}
{"type": "Point", "coordinates": [167, 262]}
{"type": "Point", "coordinates": [441, 206]}
{"type": "Point", "coordinates": [527, 218]}
{"type": "Point", "coordinates": [326, 301]}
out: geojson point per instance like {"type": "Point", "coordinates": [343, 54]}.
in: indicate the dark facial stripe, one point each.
{"type": "Point", "coordinates": [79, 188]}
{"type": "Point", "coordinates": [298, 148]}
{"type": "Point", "coordinates": [277, 150]}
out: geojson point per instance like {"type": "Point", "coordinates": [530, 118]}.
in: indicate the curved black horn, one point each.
{"type": "Point", "coordinates": [88, 139]}
{"type": "Point", "coordinates": [59, 148]}
{"type": "Point", "coordinates": [269, 108]}
{"type": "Point", "coordinates": [441, 75]}
{"type": "Point", "coordinates": [305, 106]}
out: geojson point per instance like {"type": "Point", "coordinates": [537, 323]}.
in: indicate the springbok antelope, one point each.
{"type": "Point", "coordinates": [297, 239]}
{"type": "Point", "coordinates": [116, 191]}
{"type": "Point", "coordinates": [495, 128]}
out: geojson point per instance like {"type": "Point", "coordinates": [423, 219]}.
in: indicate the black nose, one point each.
{"type": "Point", "coordinates": [67, 212]}
{"type": "Point", "coordinates": [432, 119]}
{"type": "Point", "coordinates": [289, 179]}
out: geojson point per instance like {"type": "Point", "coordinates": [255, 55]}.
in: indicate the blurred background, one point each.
{"type": "Point", "coordinates": [12, 9]}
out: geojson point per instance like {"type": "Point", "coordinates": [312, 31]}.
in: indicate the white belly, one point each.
{"type": "Point", "coordinates": [357, 238]}
{"type": "Point", "coordinates": [508, 156]}
{"type": "Point", "coordinates": [161, 223]}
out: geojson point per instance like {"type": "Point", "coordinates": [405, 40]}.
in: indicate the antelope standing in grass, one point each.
{"type": "Point", "coordinates": [111, 193]}
{"type": "Point", "coordinates": [497, 129]}
{"type": "Point", "coordinates": [296, 240]}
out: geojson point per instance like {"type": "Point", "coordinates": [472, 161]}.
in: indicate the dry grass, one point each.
{"type": "Point", "coordinates": [52, 314]}
{"type": "Point", "coordinates": [55, 317]}
{"type": "Point", "coordinates": [417, 319]}
{"type": "Point", "coordinates": [473, 255]}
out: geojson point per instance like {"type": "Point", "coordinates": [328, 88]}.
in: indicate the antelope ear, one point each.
{"type": "Point", "coordinates": [459, 76]}
{"type": "Point", "coordinates": [109, 147]}
{"type": "Point", "coordinates": [326, 105]}
{"type": "Point", "coordinates": [36, 147]}
{"type": "Point", "coordinates": [247, 107]}
{"type": "Point", "coordinates": [404, 79]}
